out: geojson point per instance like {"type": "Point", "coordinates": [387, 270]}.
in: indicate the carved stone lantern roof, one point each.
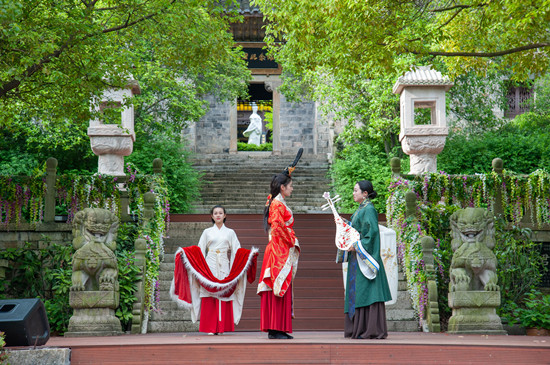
{"type": "Point", "coordinates": [423, 121]}
{"type": "Point", "coordinates": [422, 76]}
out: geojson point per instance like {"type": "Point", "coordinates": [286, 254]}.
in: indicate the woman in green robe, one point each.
{"type": "Point", "coordinates": [365, 312]}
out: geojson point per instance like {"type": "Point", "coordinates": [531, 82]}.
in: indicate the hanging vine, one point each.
{"type": "Point", "coordinates": [438, 196]}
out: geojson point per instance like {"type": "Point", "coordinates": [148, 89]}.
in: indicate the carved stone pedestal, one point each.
{"type": "Point", "coordinates": [474, 312]}
{"type": "Point", "coordinates": [94, 314]}
{"type": "Point", "coordinates": [111, 143]}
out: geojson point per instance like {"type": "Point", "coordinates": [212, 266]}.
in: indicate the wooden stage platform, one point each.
{"type": "Point", "coordinates": [306, 348]}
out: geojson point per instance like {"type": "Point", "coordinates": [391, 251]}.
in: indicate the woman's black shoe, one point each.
{"type": "Point", "coordinates": [278, 335]}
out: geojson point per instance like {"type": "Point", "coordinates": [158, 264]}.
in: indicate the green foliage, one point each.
{"type": "Point", "coordinates": [535, 311]}
{"type": "Point", "coordinates": [354, 37]}
{"type": "Point", "coordinates": [268, 118]}
{"type": "Point", "coordinates": [520, 263]}
{"type": "Point", "coordinates": [242, 146]}
{"type": "Point", "coordinates": [127, 271]}
{"type": "Point", "coordinates": [360, 162]}
{"type": "Point", "coordinates": [522, 149]}
{"type": "Point", "coordinates": [183, 182]}
{"type": "Point", "coordinates": [43, 273]}
{"type": "Point", "coordinates": [56, 56]}
{"type": "Point", "coordinates": [3, 354]}
{"type": "Point", "coordinates": [127, 278]}
{"type": "Point", "coordinates": [472, 102]}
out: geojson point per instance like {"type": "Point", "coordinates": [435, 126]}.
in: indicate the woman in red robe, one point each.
{"type": "Point", "coordinates": [280, 261]}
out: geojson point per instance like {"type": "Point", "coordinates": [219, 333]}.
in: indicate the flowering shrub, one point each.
{"type": "Point", "coordinates": [22, 197]}
{"type": "Point", "coordinates": [438, 196]}
{"type": "Point", "coordinates": [25, 196]}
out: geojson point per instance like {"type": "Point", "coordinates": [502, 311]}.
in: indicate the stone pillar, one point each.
{"type": "Point", "coordinates": [431, 311]}
{"type": "Point", "coordinates": [272, 86]}
{"type": "Point", "coordinates": [233, 128]}
{"type": "Point", "coordinates": [395, 164]}
{"type": "Point", "coordinates": [49, 204]}
{"type": "Point", "coordinates": [410, 204]}
{"type": "Point", "coordinates": [111, 142]}
{"type": "Point", "coordinates": [422, 137]}
{"type": "Point", "coordinates": [498, 166]}
{"type": "Point", "coordinates": [140, 246]}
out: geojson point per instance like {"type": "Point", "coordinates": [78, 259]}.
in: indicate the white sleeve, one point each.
{"type": "Point", "coordinates": [235, 245]}
{"type": "Point", "coordinates": [203, 242]}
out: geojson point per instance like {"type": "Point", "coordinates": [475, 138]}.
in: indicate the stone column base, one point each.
{"type": "Point", "coordinates": [474, 312]}
{"type": "Point", "coordinates": [94, 322]}
{"type": "Point", "coordinates": [94, 314]}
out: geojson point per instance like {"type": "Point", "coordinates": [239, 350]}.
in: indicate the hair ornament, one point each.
{"type": "Point", "coordinates": [290, 169]}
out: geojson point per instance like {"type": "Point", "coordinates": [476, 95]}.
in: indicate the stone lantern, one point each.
{"type": "Point", "coordinates": [423, 120]}
{"type": "Point", "coordinates": [111, 142]}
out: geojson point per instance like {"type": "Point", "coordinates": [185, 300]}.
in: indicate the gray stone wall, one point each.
{"type": "Point", "coordinates": [38, 235]}
{"type": "Point", "coordinates": [299, 127]}
{"type": "Point", "coordinates": [297, 121]}
{"type": "Point", "coordinates": [212, 132]}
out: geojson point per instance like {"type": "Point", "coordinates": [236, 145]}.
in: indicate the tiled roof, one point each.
{"type": "Point", "coordinates": [246, 8]}
{"type": "Point", "coordinates": [422, 76]}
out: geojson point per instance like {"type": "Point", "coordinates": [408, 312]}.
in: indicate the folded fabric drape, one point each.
{"type": "Point", "coordinates": [191, 260]}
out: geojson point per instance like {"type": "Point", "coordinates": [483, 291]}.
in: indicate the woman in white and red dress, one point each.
{"type": "Point", "coordinates": [219, 245]}
{"type": "Point", "coordinates": [280, 259]}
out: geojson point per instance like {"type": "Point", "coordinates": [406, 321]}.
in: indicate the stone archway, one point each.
{"type": "Point", "coordinates": [270, 83]}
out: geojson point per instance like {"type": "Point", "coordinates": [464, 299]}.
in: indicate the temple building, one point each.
{"type": "Point", "coordinates": [286, 125]}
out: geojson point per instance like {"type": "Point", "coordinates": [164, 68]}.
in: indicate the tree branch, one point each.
{"type": "Point", "coordinates": [487, 54]}
{"type": "Point", "coordinates": [16, 81]}
{"type": "Point", "coordinates": [461, 7]}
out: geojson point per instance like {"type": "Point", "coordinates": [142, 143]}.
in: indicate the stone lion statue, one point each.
{"type": "Point", "coordinates": [473, 266]}
{"type": "Point", "coordinates": [94, 262]}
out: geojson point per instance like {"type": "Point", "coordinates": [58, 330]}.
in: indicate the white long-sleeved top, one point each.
{"type": "Point", "coordinates": [219, 246]}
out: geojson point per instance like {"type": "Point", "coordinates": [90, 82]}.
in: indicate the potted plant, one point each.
{"type": "Point", "coordinates": [535, 314]}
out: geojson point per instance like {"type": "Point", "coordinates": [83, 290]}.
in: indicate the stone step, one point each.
{"type": "Point", "coordinates": [172, 326]}
{"type": "Point", "coordinates": [241, 184]}
{"type": "Point", "coordinates": [403, 326]}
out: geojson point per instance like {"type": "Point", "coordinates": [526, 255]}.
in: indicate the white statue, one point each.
{"type": "Point", "coordinates": [254, 130]}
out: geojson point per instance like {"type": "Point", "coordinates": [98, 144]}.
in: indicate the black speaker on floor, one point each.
{"type": "Point", "coordinates": [24, 322]}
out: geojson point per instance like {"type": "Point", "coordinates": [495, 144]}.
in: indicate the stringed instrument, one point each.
{"type": "Point", "coordinates": [346, 235]}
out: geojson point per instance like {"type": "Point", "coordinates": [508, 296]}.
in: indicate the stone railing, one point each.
{"type": "Point", "coordinates": [49, 215]}
{"type": "Point", "coordinates": [430, 322]}
{"type": "Point", "coordinates": [15, 235]}
{"type": "Point", "coordinates": [410, 206]}
{"type": "Point", "coordinates": [497, 201]}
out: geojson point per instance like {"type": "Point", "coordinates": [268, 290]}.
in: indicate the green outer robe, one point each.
{"type": "Point", "coordinates": [365, 221]}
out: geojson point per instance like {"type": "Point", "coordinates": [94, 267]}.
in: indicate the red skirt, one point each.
{"type": "Point", "coordinates": [276, 312]}
{"type": "Point", "coordinates": [211, 321]}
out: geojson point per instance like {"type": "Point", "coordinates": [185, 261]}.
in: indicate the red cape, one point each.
{"type": "Point", "coordinates": [191, 260]}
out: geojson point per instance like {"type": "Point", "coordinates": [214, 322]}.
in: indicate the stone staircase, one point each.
{"type": "Point", "coordinates": [318, 287]}
{"type": "Point", "coordinates": [240, 182]}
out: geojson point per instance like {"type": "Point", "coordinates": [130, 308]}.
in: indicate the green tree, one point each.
{"type": "Point", "coordinates": [358, 162]}
{"type": "Point", "coordinates": [348, 37]}
{"type": "Point", "coordinates": [472, 102]}
{"type": "Point", "coordinates": [56, 56]}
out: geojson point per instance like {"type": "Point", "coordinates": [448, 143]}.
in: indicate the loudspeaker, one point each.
{"type": "Point", "coordinates": [24, 322]}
